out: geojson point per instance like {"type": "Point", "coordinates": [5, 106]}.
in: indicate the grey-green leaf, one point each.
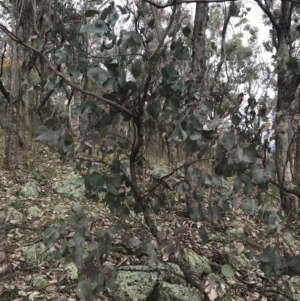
{"type": "Point", "coordinates": [91, 13]}
{"type": "Point", "coordinates": [153, 109]}
{"type": "Point", "coordinates": [98, 74]}
{"type": "Point", "coordinates": [178, 135]}
{"type": "Point", "coordinates": [227, 270]}
{"type": "Point", "coordinates": [38, 44]}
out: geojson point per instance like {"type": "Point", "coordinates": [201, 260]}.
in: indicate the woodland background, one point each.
{"type": "Point", "coordinates": [136, 144]}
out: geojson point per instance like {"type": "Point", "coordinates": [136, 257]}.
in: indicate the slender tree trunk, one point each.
{"type": "Point", "coordinates": [12, 138]}
{"type": "Point", "coordinates": [296, 156]}
{"type": "Point", "coordinates": [199, 42]}
{"type": "Point", "coordinates": [198, 70]}
{"type": "Point", "coordinates": [4, 263]}
{"type": "Point", "coordinates": [23, 20]}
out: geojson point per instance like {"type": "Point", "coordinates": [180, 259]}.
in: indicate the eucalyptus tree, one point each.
{"type": "Point", "coordinates": [283, 17]}
{"type": "Point", "coordinates": [138, 65]}
{"type": "Point", "coordinates": [124, 98]}
{"type": "Point", "coordinates": [24, 24]}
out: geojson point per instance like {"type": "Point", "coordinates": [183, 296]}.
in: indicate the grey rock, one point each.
{"type": "Point", "coordinates": [69, 187]}
{"type": "Point", "coordinates": [174, 292]}
{"type": "Point", "coordinates": [37, 252]}
{"type": "Point", "coordinates": [30, 189]}
{"type": "Point", "coordinates": [160, 169]}
{"type": "Point", "coordinates": [72, 271]}
{"type": "Point", "coordinates": [34, 211]}
{"type": "Point", "coordinates": [14, 214]}
{"type": "Point", "coordinates": [3, 216]}
{"type": "Point", "coordinates": [236, 232]}
{"type": "Point", "coordinates": [38, 281]}
{"type": "Point", "coordinates": [135, 283]}
{"type": "Point", "coordinates": [196, 263]}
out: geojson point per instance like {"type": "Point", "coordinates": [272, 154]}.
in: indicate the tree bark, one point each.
{"type": "Point", "coordinates": [199, 42]}
{"type": "Point", "coordinates": [12, 138]}
{"type": "Point", "coordinates": [198, 70]}
{"type": "Point", "coordinates": [287, 88]}
{"type": "Point", "coordinates": [4, 263]}
{"type": "Point", "coordinates": [23, 17]}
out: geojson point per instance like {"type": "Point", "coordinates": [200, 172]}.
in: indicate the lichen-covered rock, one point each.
{"type": "Point", "coordinates": [30, 189]}
{"type": "Point", "coordinates": [38, 281]}
{"type": "Point", "coordinates": [174, 292]}
{"type": "Point", "coordinates": [236, 232]}
{"type": "Point", "coordinates": [69, 188]}
{"type": "Point", "coordinates": [3, 216]}
{"type": "Point", "coordinates": [34, 211]}
{"type": "Point", "coordinates": [14, 214]}
{"type": "Point", "coordinates": [196, 263]}
{"type": "Point", "coordinates": [173, 274]}
{"type": "Point", "coordinates": [227, 184]}
{"type": "Point", "coordinates": [37, 252]}
{"type": "Point", "coordinates": [160, 169]}
{"type": "Point", "coordinates": [241, 262]}
{"type": "Point", "coordinates": [72, 271]}
{"type": "Point", "coordinates": [135, 283]}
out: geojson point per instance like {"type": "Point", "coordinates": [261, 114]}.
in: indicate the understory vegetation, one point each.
{"type": "Point", "coordinates": [148, 151]}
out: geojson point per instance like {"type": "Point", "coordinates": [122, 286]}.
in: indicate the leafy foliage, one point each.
{"type": "Point", "coordinates": [143, 84]}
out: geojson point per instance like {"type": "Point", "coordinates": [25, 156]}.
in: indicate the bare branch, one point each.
{"type": "Point", "coordinates": [281, 187]}
{"type": "Point", "coordinates": [266, 10]}
{"type": "Point", "coordinates": [224, 31]}
{"type": "Point", "coordinates": [205, 1]}
{"type": "Point", "coordinates": [186, 2]}
{"type": "Point", "coordinates": [47, 96]}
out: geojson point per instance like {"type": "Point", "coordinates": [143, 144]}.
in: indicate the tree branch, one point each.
{"type": "Point", "coordinates": [62, 76]}
{"type": "Point", "coordinates": [47, 96]}
{"type": "Point", "coordinates": [266, 10]}
{"type": "Point", "coordinates": [292, 191]}
{"type": "Point", "coordinates": [210, 1]}
{"type": "Point", "coordinates": [186, 2]}
{"type": "Point", "coordinates": [224, 30]}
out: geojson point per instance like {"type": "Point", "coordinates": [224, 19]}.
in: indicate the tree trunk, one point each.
{"type": "Point", "coordinates": [199, 42]}
{"type": "Point", "coordinates": [287, 88]}
{"type": "Point", "coordinates": [283, 153]}
{"type": "Point", "coordinates": [296, 156]}
{"type": "Point", "coordinates": [13, 130]}
{"type": "Point", "coordinates": [198, 70]}
{"type": "Point", "coordinates": [4, 262]}
{"type": "Point", "coordinates": [23, 20]}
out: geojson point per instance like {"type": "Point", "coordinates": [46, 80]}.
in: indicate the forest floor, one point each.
{"type": "Point", "coordinates": [224, 245]}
